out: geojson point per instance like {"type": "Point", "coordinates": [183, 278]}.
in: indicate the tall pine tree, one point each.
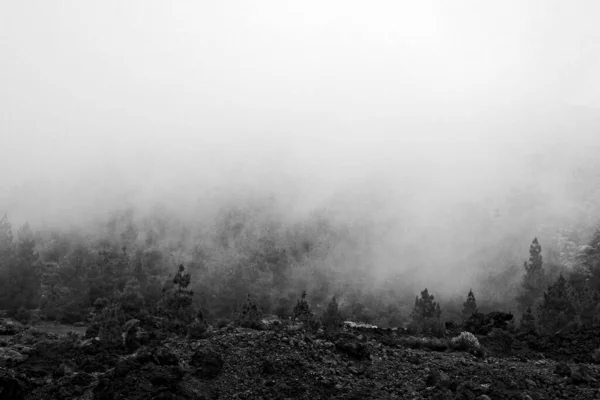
{"type": "Point", "coordinates": [23, 276]}
{"type": "Point", "coordinates": [558, 307]}
{"type": "Point", "coordinates": [469, 306]}
{"type": "Point", "coordinates": [532, 286]}
{"type": "Point", "coordinates": [6, 255]}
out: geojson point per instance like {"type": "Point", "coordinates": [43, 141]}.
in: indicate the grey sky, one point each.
{"type": "Point", "coordinates": [289, 96]}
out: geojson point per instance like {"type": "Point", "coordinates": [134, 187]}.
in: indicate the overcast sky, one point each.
{"type": "Point", "coordinates": [273, 94]}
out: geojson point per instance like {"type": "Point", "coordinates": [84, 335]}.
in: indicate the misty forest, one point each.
{"type": "Point", "coordinates": [299, 201]}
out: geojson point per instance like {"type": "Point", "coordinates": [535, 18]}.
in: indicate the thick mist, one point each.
{"type": "Point", "coordinates": [449, 134]}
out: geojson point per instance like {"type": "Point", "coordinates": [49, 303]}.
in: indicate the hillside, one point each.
{"type": "Point", "coordinates": [287, 363]}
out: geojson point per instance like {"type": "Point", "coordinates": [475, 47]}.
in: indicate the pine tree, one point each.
{"type": "Point", "coordinates": [589, 261]}
{"type": "Point", "coordinates": [558, 307]}
{"type": "Point", "coordinates": [332, 318]}
{"type": "Point", "coordinates": [179, 302]}
{"type": "Point", "coordinates": [249, 316]}
{"type": "Point", "coordinates": [528, 324]}
{"type": "Point", "coordinates": [302, 311]}
{"type": "Point", "coordinates": [425, 307]}
{"type": "Point", "coordinates": [24, 286]}
{"type": "Point", "coordinates": [532, 286]}
{"type": "Point", "coordinates": [110, 321]}
{"type": "Point", "coordinates": [304, 314]}
{"type": "Point", "coordinates": [6, 240]}
{"type": "Point", "coordinates": [6, 255]}
{"type": "Point", "coordinates": [470, 306]}
{"type": "Point", "coordinates": [426, 314]}
{"type": "Point", "coordinates": [132, 300]}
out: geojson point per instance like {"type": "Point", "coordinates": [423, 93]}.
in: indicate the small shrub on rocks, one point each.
{"type": "Point", "coordinates": [465, 341]}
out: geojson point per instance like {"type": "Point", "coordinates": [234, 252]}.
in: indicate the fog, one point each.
{"type": "Point", "coordinates": [418, 118]}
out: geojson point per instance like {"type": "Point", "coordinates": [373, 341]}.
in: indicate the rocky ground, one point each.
{"type": "Point", "coordinates": [282, 363]}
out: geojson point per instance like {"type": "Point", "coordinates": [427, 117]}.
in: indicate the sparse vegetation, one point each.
{"type": "Point", "coordinates": [465, 341]}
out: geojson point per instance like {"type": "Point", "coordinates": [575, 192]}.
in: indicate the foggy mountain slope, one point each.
{"type": "Point", "coordinates": [440, 137]}
{"type": "Point", "coordinates": [434, 214]}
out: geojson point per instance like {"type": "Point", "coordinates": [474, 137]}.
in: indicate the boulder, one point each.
{"type": "Point", "coordinates": [10, 327]}
{"type": "Point", "coordinates": [10, 357]}
{"type": "Point", "coordinates": [11, 388]}
{"type": "Point", "coordinates": [207, 362]}
{"type": "Point", "coordinates": [164, 356]}
{"type": "Point", "coordinates": [352, 348]}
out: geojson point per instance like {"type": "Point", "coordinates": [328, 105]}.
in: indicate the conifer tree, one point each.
{"type": "Point", "coordinates": [24, 287]}
{"type": "Point", "coordinates": [249, 316]}
{"type": "Point", "coordinates": [332, 318]}
{"type": "Point", "coordinates": [528, 324]}
{"type": "Point", "coordinates": [304, 314]}
{"type": "Point", "coordinates": [6, 240]}
{"type": "Point", "coordinates": [589, 260]}
{"type": "Point", "coordinates": [132, 300]}
{"type": "Point", "coordinates": [425, 307]}
{"type": "Point", "coordinates": [532, 286]}
{"type": "Point", "coordinates": [302, 311]}
{"type": "Point", "coordinates": [6, 254]}
{"type": "Point", "coordinates": [558, 307]}
{"type": "Point", "coordinates": [470, 306]}
{"type": "Point", "coordinates": [179, 301]}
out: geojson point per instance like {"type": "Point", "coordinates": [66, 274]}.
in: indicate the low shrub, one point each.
{"type": "Point", "coordinates": [465, 341]}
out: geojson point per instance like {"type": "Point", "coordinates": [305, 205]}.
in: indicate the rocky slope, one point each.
{"type": "Point", "coordinates": [236, 363]}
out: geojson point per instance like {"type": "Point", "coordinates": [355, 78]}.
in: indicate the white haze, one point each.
{"type": "Point", "coordinates": [403, 113]}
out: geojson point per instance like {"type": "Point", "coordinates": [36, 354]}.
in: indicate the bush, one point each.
{"type": "Point", "coordinates": [465, 341]}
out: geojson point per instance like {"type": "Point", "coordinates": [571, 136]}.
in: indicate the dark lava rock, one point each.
{"type": "Point", "coordinates": [562, 369]}
{"type": "Point", "coordinates": [164, 356]}
{"type": "Point", "coordinates": [162, 376]}
{"type": "Point", "coordinates": [352, 348]}
{"type": "Point", "coordinates": [9, 327]}
{"type": "Point", "coordinates": [92, 331]}
{"type": "Point", "coordinates": [208, 362]}
{"type": "Point", "coordinates": [124, 366]}
{"type": "Point", "coordinates": [268, 368]}
{"type": "Point", "coordinates": [438, 378]}
{"type": "Point", "coordinates": [10, 387]}
{"type": "Point", "coordinates": [144, 355]}
{"type": "Point", "coordinates": [132, 381]}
